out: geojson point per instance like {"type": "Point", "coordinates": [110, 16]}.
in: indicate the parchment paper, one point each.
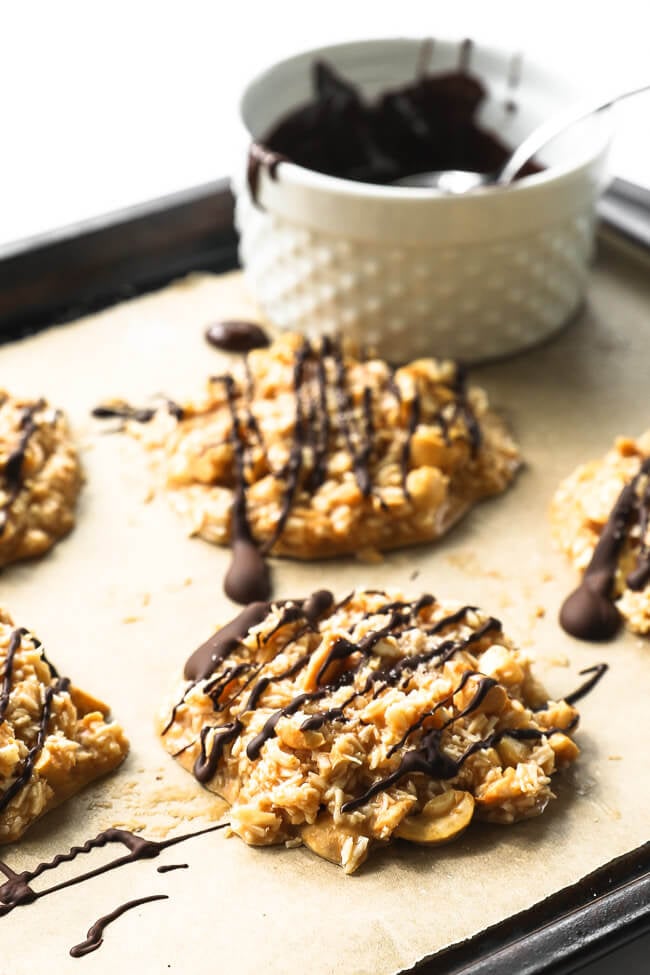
{"type": "Point", "coordinates": [122, 602]}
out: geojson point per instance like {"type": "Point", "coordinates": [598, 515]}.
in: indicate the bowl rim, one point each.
{"type": "Point", "coordinates": [302, 177]}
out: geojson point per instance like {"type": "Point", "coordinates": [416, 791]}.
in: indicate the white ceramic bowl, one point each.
{"type": "Point", "coordinates": [413, 272]}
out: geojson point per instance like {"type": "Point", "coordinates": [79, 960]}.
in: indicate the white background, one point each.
{"type": "Point", "coordinates": [108, 104]}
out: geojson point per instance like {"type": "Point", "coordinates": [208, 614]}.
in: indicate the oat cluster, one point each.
{"type": "Point", "coordinates": [334, 453]}
{"type": "Point", "coordinates": [581, 509]}
{"type": "Point", "coordinates": [40, 478]}
{"type": "Point", "coordinates": [54, 738]}
{"type": "Point", "coordinates": [385, 718]}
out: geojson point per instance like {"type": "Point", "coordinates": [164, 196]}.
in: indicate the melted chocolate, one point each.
{"type": "Point", "coordinates": [428, 124]}
{"type": "Point", "coordinates": [95, 936]}
{"type": "Point", "coordinates": [12, 472]}
{"type": "Point", "coordinates": [428, 757]}
{"type": "Point", "coordinates": [260, 157]}
{"type": "Point", "coordinates": [206, 764]}
{"type": "Point", "coordinates": [25, 775]}
{"type": "Point", "coordinates": [598, 671]}
{"type": "Point", "coordinates": [17, 892]}
{"type": "Point", "coordinates": [301, 438]}
{"type": "Point", "coordinates": [317, 605]}
{"type": "Point", "coordinates": [141, 414]}
{"type": "Point", "coordinates": [168, 867]}
{"type": "Point", "coordinates": [414, 420]}
{"type": "Point", "coordinates": [589, 612]}
{"type": "Point", "coordinates": [640, 575]}
{"type": "Point", "coordinates": [61, 684]}
{"type": "Point", "coordinates": [14, 463]}
{"type": "Point", "coordinates": [237, 336]}
{"type": "Point", "coordinates": [207, 658]}
{"type": "Point", "coordinates": [359, 445]}
{"type": "Point", "coordinates": [204, 660]}
{"type": "Point", "coordinates": [247, 578]}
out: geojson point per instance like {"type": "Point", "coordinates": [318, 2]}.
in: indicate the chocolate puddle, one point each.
{"type": "Point", "coordinates": [237, 336]}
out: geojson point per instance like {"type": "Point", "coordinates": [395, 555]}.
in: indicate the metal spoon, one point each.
{"type": "Point", "coordinates": [459, 181]}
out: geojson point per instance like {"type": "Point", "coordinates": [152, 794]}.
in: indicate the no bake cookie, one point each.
{"type": "Point", "coordinates": [40, 477]}
{"type": "Point", "coordinates": [308, 451]}
{"type": "Point", "coordinates": [54, 738]}
{"type": "Point", "coordinates": [342, 725]}
{"type": "Point", "coordinates": [601, 520]}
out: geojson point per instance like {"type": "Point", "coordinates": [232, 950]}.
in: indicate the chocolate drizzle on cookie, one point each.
{"type": "Point", "coordinates": [60, 685]}
{"type": "Point", "coordinates": [12, 471]}
{"type": "Point", "coordinates": [590, 613]}
{"type": "Point", "coordinates": [357, 665]}
{"type": "Point", "coordinates": [326, 417]}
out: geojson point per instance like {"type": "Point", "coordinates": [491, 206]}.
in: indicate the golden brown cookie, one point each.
{"type": "Point", "coordinates": [308, 451]}
{"type": "Point", "coordinates": [601, 519]}
{"type": "Point", "coordinates": [344, 725]}
{"type": "Point", "coordinates": [54, 738]}
{"type": "Point", "coordinates": [40, 478]}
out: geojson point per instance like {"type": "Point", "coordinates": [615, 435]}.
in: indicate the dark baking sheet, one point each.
{"type": "Point", "coordinates": [77, 270]}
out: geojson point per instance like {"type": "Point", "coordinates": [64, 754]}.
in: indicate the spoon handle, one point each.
{"type": "Point", "coordinates": [544, 133]}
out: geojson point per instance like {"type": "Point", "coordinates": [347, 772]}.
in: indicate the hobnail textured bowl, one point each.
{"type": "Point", "coordinates": [413, 272]}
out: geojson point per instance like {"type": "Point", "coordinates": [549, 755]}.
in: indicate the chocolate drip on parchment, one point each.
{"type": "Point", "coordinates": [236, 335]}
{"type": "Point", "coordinates": [428, 757]}
{"type": "Point", "coordinates": [95, 937]}
{"type": "Point", "coordinates": [14, 645]}
{"type": "Point", "coordinates": [17, 891]}
{"type": "Point", "coordinates": [597, 671]}
{"type": "Point", "coordinates": [247, 579]}
{"type": "Point", "coordinates": [589, 613]}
